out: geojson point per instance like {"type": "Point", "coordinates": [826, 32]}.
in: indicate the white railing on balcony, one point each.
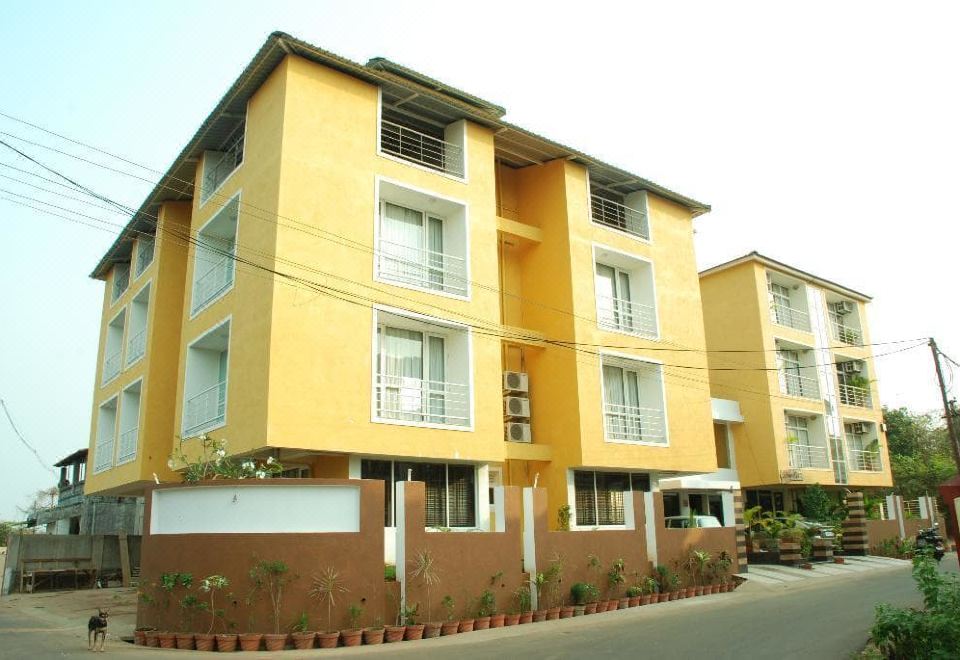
{"type": "Point", "coordinates": [613, 214]}
{"type": "Point", "coordinates": [103, 455]}
{"type": "Point", "coordinates": [859, 397]}
{"type": "Point", "coordinates": [911, 508]}
{"type": "Point", "coordinates": [864, 460]}
{"type": "Point", "coordinates": [421, 148]}
{"type": "Point", "coordinates": [206, 409]}
{"type": "Point", "coordinates": [423, 268]}
{"type": "Point", "coordinates": [121, 279]}
{"type": "Point", "coordinates": [127, 451]}
{"type": "Point", "coordinates": [417, 400]}
{"type": "Point", "coordinates": [218, 167]}
{"type": "Point", "coordinates": [136, 346]}
{"type": "Point", "coordinates": [213, 281]}
{"type": "Point", "coordinates": [111, 366]}
{"type": "Point", "coordinates": [808, 456]}
{"type": "Point", "coordinates": [789, 317]}
{"type": "Point", "coordinates": [626, 316]}
{"type": "Point", "coordinates": [796, 385]}
{"type": "Point", "coordinates": [145, 248]}
{"type": "Point", "coordinates": [633, 423]}
{"type": "Point", "coordinates": [846, 334]}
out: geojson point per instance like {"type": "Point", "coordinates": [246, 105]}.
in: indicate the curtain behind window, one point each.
{"type": "Point", "coordinates": [585, 498]}
{"type": "Point", "coordinates": [403, 374]}
{"type": "Point", "coordinates": [462, 495]}
{"type": "Point", "coordinates": [437, 376]}
{"type": "Point", "coordinates": [435, 254]}
{"type": "Point", "coordinates": [610, 488]}
{"type": "Point", "coordinates": [402, 235]}
{"type": "Point", "coordinates": [606, 291]}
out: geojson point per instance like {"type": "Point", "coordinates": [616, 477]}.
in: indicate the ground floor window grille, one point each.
{"type": "Point", "coordinates": [599, 495]}
{"type": "Point", "coordinates": [449, 490]}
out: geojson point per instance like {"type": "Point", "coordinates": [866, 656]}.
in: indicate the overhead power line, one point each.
{"type": "Point", "coordinates": [26, 444]}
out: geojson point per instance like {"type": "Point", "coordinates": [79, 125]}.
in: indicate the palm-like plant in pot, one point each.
{"type": "Point", "coordinates": [700, 560]}
{"type": "Point", "coordinates": [450, 626]}
{"type": "Point", "coordinates": [539, 581]}
{"type": "Point", "coordinates": [662, 574]}
{"type": "Point", "coordinates": [425, 572]}
{"type": "Point", "coordinates": [270, 578]}
{"type": "Point", "coordinates": [327, 587]}
{"type": "Point", "coordinates": [615, 580]}
{"type": "Point", "coordinates": [523, 600]}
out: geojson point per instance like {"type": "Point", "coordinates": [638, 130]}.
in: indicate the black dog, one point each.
{"type": "Point", "coordinates": [97, 627]}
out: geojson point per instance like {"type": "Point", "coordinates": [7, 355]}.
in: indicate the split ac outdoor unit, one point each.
{"type": "Point", "coordinates": [517, 431]}
{"type": "Point", "coordinates": [793, 474]}
{"type": "Point", "coordinates": [516, 406]}
{"type": "Point", "coordinates": [857, 428]}
{"type": "Point", "coordinates": [843, 307]}
{"type": "Point", "coordinates": [515, 381]}
{"type": "Point", "coordinates": [852, 367]}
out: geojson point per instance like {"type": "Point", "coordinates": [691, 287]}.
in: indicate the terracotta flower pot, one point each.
{"type": "Point", "coordinates": [227, 642]}
{"type": "Point", "coordinates": [623, 603]}
{"type": "Point", "coordinates": [248, 641]}
{"type": "Point", "coordinates": [168, 640]}
{"type": "Point", "coordinates": [184, 641]}
{"type": "Point", "coordinates": [275, 641]}
{"type": "Point", "coordinates": [674, 595]}
{"type": "Point", "coordinates": [373, 636]}
{"type": "Point", "coordinates": [329, 640]}
{"type": "Point", "coordinates": [699, 591]}
{"type": "Point", "coordinates": [140, 637]}
{"type": "Point", "coordinates": [553, 613]}
{"type": "Point", "coordinates": [205, 641]}
{"type": "Point", "coordinates": [303, 640]}
{"type": "Point", "coordinates": [566, 611]}
{"type": "Point", "coordinates": [644, 599]}
{"type": "Point", "coordinates": [431, 630]}
{"type": "Point", "coordinates": [152, 638]}
{"type": "Point", "coordinates": [691, 592]}
{"type": "Point", "coordinates": [539, 615]}
{"type": "Point", "coordinates": [526, 617]}
{"type": "Point", "coordinates": [449, 628]}
{"type": "Point", "coordinates": [839, 560]}
{"type": "Point", "coordinates": [466, 625]}
{"type": "Point", "coordinates": [351, 637]}
{"type": "Point", "coordinates": [496, 620]}
{"type": "Point", "coordinates": [394, 634]}
{"type": "Point", "coordinates": [511, 620]}
{"type": "Point", "coordinates": [481, 623]}
{"type": "Point", "coordinates": [590, 608]}
{"type": "Point", "coordinates": [634, 601]}
{"type": "Point", "coordinates": [414, 631]}
{"type": "Point", "coordinates": [613, 604]}
{"type": "Point", "coordinates": [579, 610]}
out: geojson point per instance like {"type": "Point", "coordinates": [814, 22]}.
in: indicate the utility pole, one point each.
{"type": "Point", "coordinates": [947, 405]}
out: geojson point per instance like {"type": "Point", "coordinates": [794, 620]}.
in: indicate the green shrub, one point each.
{"type": "Point", "coordinates": [580, 592]}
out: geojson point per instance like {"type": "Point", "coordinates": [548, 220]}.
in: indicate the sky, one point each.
{"type": "Point", "coordinates": [822, 134]}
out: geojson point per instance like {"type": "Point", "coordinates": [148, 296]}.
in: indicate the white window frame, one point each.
{"type": "Point", "coordinates": [479, 499]}
{"type": "Point", "coordinates": [127, 363]}
{"type": "Point", "coordinates": [142, 265]}
{"type": "Point", "coordinates": [120, 430]}
{"type": "Point", "coordinates": [113, 442]}
{"type": "Point", "coordinates": [226, 380]}
{"type": "Point", "coordinates": [197, 310]}
{"type": "Point", "coordinates": [663, 398]}
{"type": "Point", "coordinates": [123, 347]}
{"type": "Point", "coordinates": [204, 199]}
{"type": "Point", "coordinates": [634, 288]}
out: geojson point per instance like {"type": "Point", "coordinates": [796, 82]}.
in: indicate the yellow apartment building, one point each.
{"type": "Point", "coordinates": [806, 383]}
{"type": "Point", "coordinates": [366, 273]}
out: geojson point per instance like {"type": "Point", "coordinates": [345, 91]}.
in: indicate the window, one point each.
{"type": "Point", "coordinates": [145, 247]}
{"type": "Point", "coordinates": [450, 491]}
{"type": "Point", "coordinates": [625, 295]}
{"type": "Point", "coordinates": [793, 382]}
{"type": "Point", "coordinates": [864, 453]}
{"type": "Point", "coordinates": [121, 279]}
{"type": "Point", "coordinates": [218, 165]}
{"type": "Point", "coordinates": [113, 347]}
{"type": "Point", "coordinates": [786, 307]}
{"type": "Point", "coordinates": [106, 434]}
{"type": "Point", "coordinates": [627, 213]}
{"type": "Point", "coordinates": [599, 495]}
{"type": "Point", "coordinates": [137, 335]}
{"type": "Point", "coordinates": [205, 385]}
{"type": "Point", "coordinates": [806, 444]}
{"type": "Point", "coordinates": [129, 423]}
{"type": "Point", "coordinates": [215, 256]}
{"type": "Point", "coordinates": [633, 401]}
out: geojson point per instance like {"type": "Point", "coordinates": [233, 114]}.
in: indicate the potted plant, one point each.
{"type": "Point", "coordinates": [374, 634]}
{"type": "Point", "coordinates": [512, 617]}
{"type": "Point", "coordinates": [649, 589]}
{"type": "Point", "coordinates": [724, 562]}
{"type": "Point", "coordinates": [554, 580]}
{"type": "Point", "coordinates": [168, 583]}
{"type": "Point", "coordinates": [466, 623]}
{"type": "Point", "coordinates": [563, 518]}
{"type": "Point", "coordinates": [270, 577]}
{"type": "Point", "coordinates": [300, 633]}
{"type": "Point", "coordinates": [249, 641]}
{"type": "Point", "coordinates": [633, 595]}
{"type": "Point", "coordinates": [412, 629]}
{"type": "Point", "coordinates": [188, 606]}
{"type": "Point", "coordinates": [580, 593]}
{"type": "Point", "coordinates": [486, 606]}
{"type": "Point", "coordinates": [449, 626]}
{"type": "Point", "coordinates": [615, 580]}
{"type": "Point", "coordinates": [522, 598]}
{"type": "Point", "coordinates": [326, 587]}
{"type": "Point", "coordinates": [353, 635]}
{"type": "Point", "coordinates": [210, 585]}
{"type": "Point", "coordinates": [700, 560]}
{"type": "Point", "coordinates": [663, 582]}
{"type": "Point", "coordinates": [425, 571]}
{"type": "Point", "coordinates": [539, 581]}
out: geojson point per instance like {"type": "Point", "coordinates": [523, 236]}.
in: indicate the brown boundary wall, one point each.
{"type": "Point", "coordinates": [465, 562]}
{"type": "Point", "coordinates": [880, 530]}
{"type": "Point", "coordinates": [675, 545]}
{"type": "Point", "coordinates": [358, 556]}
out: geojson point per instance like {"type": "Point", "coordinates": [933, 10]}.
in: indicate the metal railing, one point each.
{"type": "Point", "coordinates": [136, 346]}
{"type": "Point", "coordinates": [626, 316]}
{"type": "Point", "coordinates": [789, 317]}
{"type": "Point", "coordinates": [417, 400]}
{"type": "Point", "coordinates": [229, 160]}
{"type": "Point", "coordinates": [633, 423]}
{"type": "Point", "coordinates": [421, 148]}
{"type": "Point", "coordinates": [911, 508]}
{"type": "Point", "coordinates": [807, 456]}
{"type": "Point", "coordinates": [205, 409]}
{"type": "Point", "coordinates": [127, 451]}
{"type": "Point", "coordinates": [864, 460]}
{"type": "Point", "coordinates": [851, 395]}
{"type": "Point", "coordinates": [121, 280]}
{"type": "Point", "coordinates": [213, 282]}
{"type": "Point", "coordinates": [423, 268]}
{"type": "Point", "coordinates": [145, 248]}
{"type": "Point", "coordinates": [111, 365]}
{"type": "Point", "coordinates": [103, 454]}
{"type": "Point", "coordinates": [613, 214]}
{"type": "Point", "coordinates": [796, 385]}
{"type": "Point", "coordinates": [844, 333]}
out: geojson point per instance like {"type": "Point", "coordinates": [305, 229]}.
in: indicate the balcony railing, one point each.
{"type": "Point", "coordinates": [845, 334]}
{"type": "Point", "coordinates": [796, 385]}
{"type": "Point", "coordinates": [206, 409]}
{"type": "Point", "coordinates": [421, 148]}
{"type": "Point", "coordinates": [858, 397]}
{"type": "Point", "coordinates": [70, 494]}
{"type": "Point", "coordinates": [216, 172]}
{"type": "Point", "coordinates": [633, 423]}
{"type": "Point", "coordinates": [121, 280]}
{"type": "Point", "coordinates": [127, 451]}
{"type": "Point", "coordinates": [808, 456]}
{"type": "Point", "coordinates": [789, 317]}
{"type": "Point", "coordinates": [612, 214]}
{"type": "Point", "coordinates": [103, 455]}
{"type": "Point", "coordinates": [111, 366]}
{"type": "Point", "coordinates": [418, 400]}
{"type": "Point", "coordinates": [626, 316]}
{"type": "Point", "coordinates": [423, 268]}
{"type": "Point", "coordinates": [864, 460]}
{"type": "Point", "coordinates": [213, 282]}
{"type": "Point", "coordinates": [145, 248]}
{"type": "Point", "coordinates": [136, 346]}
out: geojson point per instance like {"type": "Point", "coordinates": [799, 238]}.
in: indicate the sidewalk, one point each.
{"type": "Point", "coordinates": [774, 574]}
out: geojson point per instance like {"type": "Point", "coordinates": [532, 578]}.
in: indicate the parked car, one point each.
{"type": "Point", "coordinates": [818, 529]}
{"type": "Point", "coordinates": [683, 522]}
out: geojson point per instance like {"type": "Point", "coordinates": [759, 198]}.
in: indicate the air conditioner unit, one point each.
{"type": "Point", "coordinates": [852, 367]}
{"type": "Point", "coordinates": [517, 432]}
{"type": "Point", "coordinates": [515, 381]}
{"type": "Point", "coordinates": [516, 406]}
{"type": "Point", "coordinates": [791, 475]}
{"type": "Point", "coordinates": [858, 428]}
{"type": "Point", "coordinates": [843, 307]}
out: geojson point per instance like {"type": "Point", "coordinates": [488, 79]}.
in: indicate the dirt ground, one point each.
{"type": "Point", "coordinates": [65, 609]}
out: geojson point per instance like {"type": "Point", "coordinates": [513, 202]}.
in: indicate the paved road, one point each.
{"type": "Point", "coordinates": [817, 618]}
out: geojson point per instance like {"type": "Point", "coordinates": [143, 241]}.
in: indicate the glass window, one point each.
{"type": "Point", "coordinates": [449, 490]}
{"type": "Point", "coordinates": [598, 496]}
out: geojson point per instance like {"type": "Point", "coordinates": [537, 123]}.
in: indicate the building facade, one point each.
{"type": "Point", "coordinates": [366, 273]}
{"type": "Point", "coordinates": [804, 379]}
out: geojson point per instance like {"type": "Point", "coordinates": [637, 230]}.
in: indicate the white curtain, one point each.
{"type": "Point", "coordinates": [401, 243]}
{"type": "Point", "coordinates": [435, 255]}
{"type": "Point", "coordinates": [606, 292]}
{"type": "Point", "coordinates": [436, 388]}
{"type": "Point", "coordinates": [625, 316]}
{"type": "Point", "coordinates": [402, 359]}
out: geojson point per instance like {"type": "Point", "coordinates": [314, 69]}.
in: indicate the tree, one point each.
{"type": "Point", "coordinates": [920, 454]}
{"type": "Point", "coordinates": [45, 498]}
{"type": "Point", "coordinates": [6, 529]}
{"type": "Point", "coordinates": [817, 504]}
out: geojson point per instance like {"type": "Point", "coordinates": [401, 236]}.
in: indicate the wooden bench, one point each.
{"type": "Point", "coordinates": [31, 578]}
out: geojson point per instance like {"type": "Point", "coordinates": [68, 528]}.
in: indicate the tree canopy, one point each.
{"type": "Point", "coordinates": [920, 454]}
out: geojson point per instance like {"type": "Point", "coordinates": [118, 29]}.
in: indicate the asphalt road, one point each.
{"type": "Point", "coordinates": [822, 618]}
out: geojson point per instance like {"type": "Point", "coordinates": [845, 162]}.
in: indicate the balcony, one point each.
{"type": "Point", "coordinates": [858, 397]}
{"type": "Point", "coordinates": [127, 450]}
{"type": "Point", "coordinates": [626, 316]}
{"type": "Point", "coordinates": [423, 268]}
{"type": "Point", "coordinates": [205, 409]}
{"type": "Point", "coordinates": [803, 456]}
{"type": "Point", "coordinates": [70, 494]}
{"type": "Point", "coordinates": [410, 399]}
{"type": "Point", "coordinates": [111, 365]}
{"type": "Point", "coordinates": [863, 460]}
{"type": "Point", "coordinates": [626, 423]}
{"type": "Point", "coordinates": [219, 165]}
{"type": "Point", "coordinates": [793, 384]}
{"type": "Point", "coordinates": [216, 279]}
{"type": "Point", "coordinates": [136, 346]}
{"type": "Point", "coordinates": [789, 317]}
{"type": "Point", "coordinates": [844, 333]}
{"type": "Point", "coordinates": [121, 279]}
{"type": "Point", "coordinates": [612, 214]}
{"type": "Point", "coordinates": [420, 148]}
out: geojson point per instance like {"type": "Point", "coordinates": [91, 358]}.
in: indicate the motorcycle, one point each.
{"type": "Point", "coordinates": [930, 538]}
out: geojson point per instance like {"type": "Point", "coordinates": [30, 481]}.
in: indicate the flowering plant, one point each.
{"type": "Point", "coordinates": [213, 463]}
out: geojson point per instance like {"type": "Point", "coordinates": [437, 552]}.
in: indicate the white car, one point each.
{"type": "Point", "coordinates": [683, 522]}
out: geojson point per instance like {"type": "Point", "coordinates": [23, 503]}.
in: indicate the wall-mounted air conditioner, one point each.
{"type": "Point", "coordinates": [852, 367]}
{"type": "Point", "coordinates": [843, 307]}
{"type": "Point", "coordinates": [517, 432]}
{"type": "Point", "coordinates": [515, 381]}
{"type": "Point", "coordinates": [516, 406]}
{"type": "Point", "coordinates": [858, 428]}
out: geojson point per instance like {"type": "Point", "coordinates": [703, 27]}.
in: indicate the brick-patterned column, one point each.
{"type": "Point", "coordinates": [855, 541]}
{"type": "Point", "coordinates": [823, 549]}
{"type": "Point", "coordinates": [741, 532]}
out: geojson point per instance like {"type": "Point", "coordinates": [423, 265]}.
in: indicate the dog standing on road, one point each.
{"type": "Point", "coordinates": [97, 627]}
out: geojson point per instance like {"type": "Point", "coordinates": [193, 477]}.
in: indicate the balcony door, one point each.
{"type": "Point", "coordinates": [621, 390]}
{"type": "Point", "coordinates": [412, 246]}
{"type": "Point", "coordinates": [613, 297]}
{"type": "Point", "coordinates": [413, 375]}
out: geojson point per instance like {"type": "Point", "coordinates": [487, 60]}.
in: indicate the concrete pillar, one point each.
{"type": "Point", "coordinates": [530, 542]}
{"type": "Point", "coordinates": [651, 527]}
{"type": "Point", "coordinates": [855, 541]}
{"type": "Point", "coordinates": [899, 513]}
{"type": "Point", "coordinates": [741, 531]}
